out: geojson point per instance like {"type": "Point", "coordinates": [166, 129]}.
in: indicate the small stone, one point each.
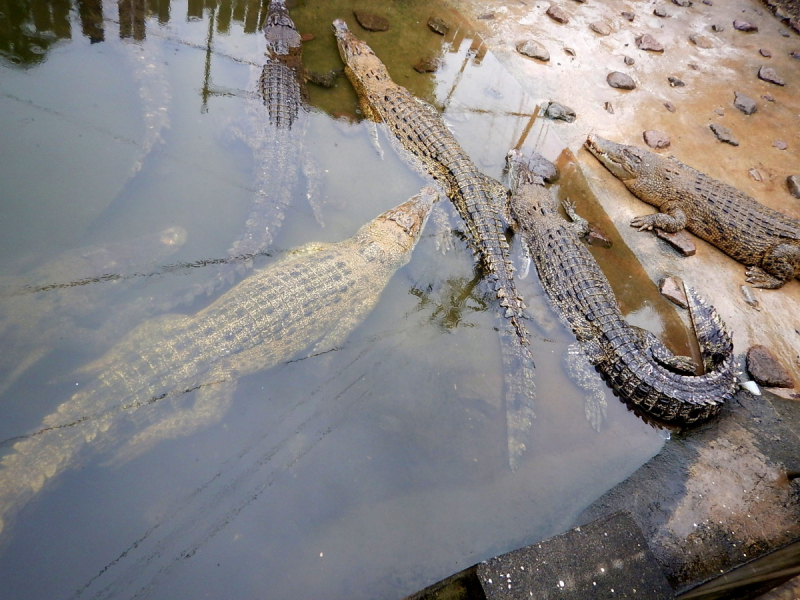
{"type": "Point", "coordinates": [793, 183]}
{"type": "Point", "coordinates": [768, 97]}
{"type": "Point", "coordinates": [744, 26]}
{"type": "Point", "coordinates": [780, 145]}
{"type": "Point", "coordinates": [656, 139]}
{"type": "Point", "coordinates": [557, 14]}
{"type": "Point", "coordinates": [569, 51]}
{"type": "Point", "coordinates": [765, 53]}
{"type": "Point", "coordinates": [748, 296]}
{"type": "Point", "coordinates": [609, 108]}
{"type": "Point", "coordinates": [701, 41]}
{"type": "Point", "coordinates": [533, 49]}
{"type": "Point", "coordinates": [680, 241]}
{"type": "Point", "coordinates": [660, 12]}
{"type": "Point", "coordinates": [708, 3]}
{"type": "Point", "coordinates": [724, 134]}
{"type": "Point", "coordinates": [783, 32]}
{"type": "Point", "coordinates": [595, 237]}
{"type": "Point", "coordinates": [307, 37]}
{"type": "Point", "coordinates": [629, 60]}
{"type": "Point", "coordinates": [438, 25]}
{"type": "Point", "coordinates": [486, 16]}
{"type": "Point", "coordinates": [620, 81]}
{"type": "Point", "coordinates": [717, 27]}
{"type": "Point", "coordinates": [795, 55]}
{"type": "Point", "coordinates": [629, 16]}
{"type": "Point", "coordinates": [720, 112]}
{"type": "Point", "coordinates": [672, 289]}
{"type": "Point", "coordinates": [682, 2]}
{"type": "Point", "coordinates": [769, 74]}
{"type": "Point", "coordinates": [371, 21]}
{"type": "Point", "coordinates": [601, 28]}
{"type": "Point", "coordinates": [428, 64]}
{"type": "Point", "coordinates": [755, 174]}
{"type": "Point", "coordinates": [649, 43]}
{"type": "Point", "coordinates": [694, 67]}
{"type": "Point", "coordinates": [765, 369]}
{"type": "Point", "coordinates": [581, 1]}
{"type": "Point", "coordinates": [670, 106]}
{"type": "Point", "coordinates": [559, 112]}
{"type": "Point", "coordinates": [675, 82]}
{"type": "Point", "coordinates": [744, 103]}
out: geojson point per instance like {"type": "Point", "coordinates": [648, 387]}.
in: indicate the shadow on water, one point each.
{"type": "Point", "coordinates": [369, 470]}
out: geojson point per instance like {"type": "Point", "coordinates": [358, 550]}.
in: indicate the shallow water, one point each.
{"type": "Point", "coordinates": [370, 471]}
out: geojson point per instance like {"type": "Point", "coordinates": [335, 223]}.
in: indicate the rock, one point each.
{"type": "Point", "coordinates": [701, 41]}
{"type": "Point", "coordinates": [795, 55]}
{"type": "Point", "coordinates": [694, 67]}
{"type": "Point", "coordinates": [675, 82]}
{"type": "Point", "coordinates": [629, 60]}
{"type": "Point", "coordinates": [723, 134]}
{"type": "Point", "coordinates": [670, 106]}
{"type": "Point", "coordinates": [569, 51]}
{"type": "Point", "coordinates": [780, 144]}
{"type": "Point", "coordinates": [428, 64]}
{"type": "Point", "coordinates": [768, 97]}
{"type": "Point", "coordinates": [620, 81]}
{"type": "Point", "coordinates": [438, 25]}
{"type": "Point", "coordinates": [769, 74]}
{"type": "Point", "coordinates": [720, 112]}
{"type": "Point", "coordinates": [559, 112]}
{"type": "Point", "coordinates": [755, 174]}
{"type": "Point", "coordinates": [557, 14]}
{"type": "Point", "coordinates": [649, 43]}
{"type": "Point", "coordinates": [716, 27]}
{"type": "Point", "coordinates": [672, 289]}
{"type": "Point", "coordinates": [680, 241]}
{"type": "Point", "coordinates": [682, 2]}
{"type": "Point", "coordinates": [708, 3]}
{"type": "Point", "coordinates": [748, 296]}
{"type": "Point", "coordinates": [765, 53]}
{"type": "Point", "coordinates": [601, 28]}
{"type": "Point", "coordinates": [656, 139]}
{"type": "Point", "coordinates": [660, 12]}
{"type": "Point", "coordinates": [744, 103]}
{"type": "Point", "coordinates": [629, 16]}
{"type": "Point", "coordinates": [793, 183]}
{"type": "Point", "coordinates": [744, 26]}
{"type": "Point", "coordinates": [596, 237]}
{"type": "Point", "coordinates": [609, 108]}
{"type": "Point", "coordinates": [783, 32]}
{"type": "Point", "coordinates": [307, 37]}
{"type": "Point", "coordinates": [765, 369]}
{"type": "Point", "coordinates": [533, 49]}
{"type": "Point", "coordinates": [486, 16]}
{"type": "Point", "coordinates": [371, 21]}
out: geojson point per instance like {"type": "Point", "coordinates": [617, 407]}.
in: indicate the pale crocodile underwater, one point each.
{"type": "Point", "coordinates": [309, 300]}
{"type": "Point", "coordinates": [423, 140]}
{"type": "Point", "coordinates": [636, 365]}
{"type": "Point", "coordinates": [766, 241]}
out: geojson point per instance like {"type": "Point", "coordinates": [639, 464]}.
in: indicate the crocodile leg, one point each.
{"type": "Point", "coordinates": [779, 265]}
{"type": "Point", "coordinates": [670, 220]}
{"type": "Point", "coordinates": [581, 371]}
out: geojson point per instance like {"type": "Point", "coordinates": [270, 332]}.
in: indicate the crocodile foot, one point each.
{"type": "Point", "coordinates": [758, 277]}
{"type": "Point", "coordinates": [645, 222]}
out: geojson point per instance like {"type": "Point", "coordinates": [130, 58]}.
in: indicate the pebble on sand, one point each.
{"type": "Point", "coordinates": [672, 290]}
{"type": "Point", "coordinates": [723, 134]}
{"type": "Point", "coordinates": [701, 41]}
{"type": "Point", "coordinates": [559, 112]}
{"type": "Point", "coordinates": [620, 81]}
{"type": "Point", "coordinates": [744, 103]}
{"type": "Point", "coordinates": [675, 82]}
{"type": "Point", "coordinates": [769, 74]}
{"type": "Point", "coordinates": [765, 369]}
{"type": "Point", "coordinates": [628, 15]}
{"type": "Point", "coordinates": [629, 60]}
{"type": "Point", "coordinates": [649, 43]}
{"type": "Point", "coordinates": [371, 21]}
{"type": "Point", "coordinates": [656, 139]}
{"type": "Point", "coordinates": [660, 12]}
{"type": "Point", "coordinates": [793, 183]}
{"type": "Point", "coordinates": [765, 53]}
{"type": "Point", "coordinates": [533, 49]}
{"type": "Point", "coordinates": [670, 106]}
{"type": "Point", "coordinates": [780, 144]}
{"type": "Point", "coordinates": [557, 14]}
{"type": "Point", "coordinates": [745, 26]}
{"type": "Point", "coordinates": [601, 28]}
{"type": "Point", "coordinates": [680, 241]}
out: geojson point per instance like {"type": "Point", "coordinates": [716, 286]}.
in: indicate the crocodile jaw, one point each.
{"type": "Point", "coordinates": [620, 159]}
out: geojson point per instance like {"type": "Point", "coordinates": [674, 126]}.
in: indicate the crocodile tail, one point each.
{"type": "Point", "coordinates": [716, 344]}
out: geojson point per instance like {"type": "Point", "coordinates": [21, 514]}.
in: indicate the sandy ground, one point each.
{"type": "Point", "coordinates": [575, 75]}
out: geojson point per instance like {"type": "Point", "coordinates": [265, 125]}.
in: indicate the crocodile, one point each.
{"type": "Point", "coordinates": [636, 365]}
{"type": "Point", "coordinates": [765, 241]}
{"type": "Point", "coordinates": [310, 299]}
{"type": "Point", "coordinates": [421, 137]}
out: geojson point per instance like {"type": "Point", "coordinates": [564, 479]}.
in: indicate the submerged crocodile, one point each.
{"type": "Point", "coordinates": [761, 238]}
{"type": "Point", "coordinates": [635, 364]}
{"type": "Point", "coordinates": [422, 139]}
{"type": "Point", "coordinates": [311, 299]}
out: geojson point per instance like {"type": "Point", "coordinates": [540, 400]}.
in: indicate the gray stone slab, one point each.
{"type": "Point", "coordinates": [607, 558]}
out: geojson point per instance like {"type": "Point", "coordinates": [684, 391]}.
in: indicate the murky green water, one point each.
{"type": "Point", "coordinates": [370, 471]}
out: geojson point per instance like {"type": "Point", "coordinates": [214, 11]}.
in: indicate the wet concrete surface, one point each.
{"type": "Point", "coordinates": [576, 76]}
